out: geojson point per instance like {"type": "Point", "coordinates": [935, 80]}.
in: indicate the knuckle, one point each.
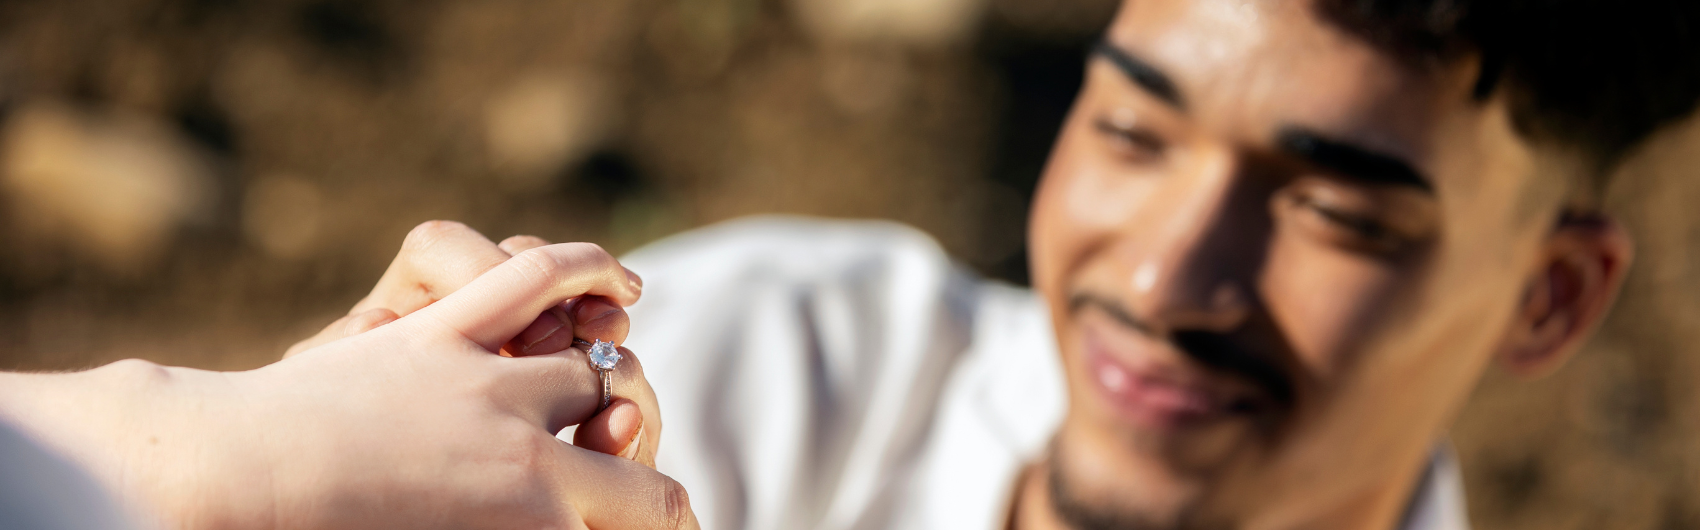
{"type": "Point", "coordinates": [675, 503]}
{"type": "Point", "coordinates": [429, 233]}
{"type": "Point", "coordinates": [539, 264]}
{"type": "Point", "coordinates": [593, 254]}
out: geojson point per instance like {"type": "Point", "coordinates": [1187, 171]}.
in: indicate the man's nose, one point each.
{"type": "Point", "coordinates": [1191, 262]}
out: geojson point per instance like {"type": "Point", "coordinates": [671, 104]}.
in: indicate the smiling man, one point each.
{"type": "Point", "coordinates": [1278, 254]}
{"type": "Point", "coordinates": [1280, 241]}
{"type": "Point", "coordinates": [1275, 247]}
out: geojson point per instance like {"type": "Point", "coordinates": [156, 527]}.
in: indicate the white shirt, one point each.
{"type": "Point", "coordinates": [847, 375]}
{"type": "Point", "coordinates": [41, 490]}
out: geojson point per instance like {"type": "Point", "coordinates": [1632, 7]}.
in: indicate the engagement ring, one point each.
{"type": "Point", "coordinates": [603, 357]}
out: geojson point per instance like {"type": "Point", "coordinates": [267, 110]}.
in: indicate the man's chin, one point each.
{"type": "Point", "coordinates": [1088, 500]}
{"type": "Point", "coordinates": [1082, 511]}
{"type": "Point", "coordinates": [1110, 482]}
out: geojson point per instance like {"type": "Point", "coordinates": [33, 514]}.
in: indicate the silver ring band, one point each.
{"type": "Point", "coordinates": [607, 389]}
{"type": "Point", "coordinates": [603, 362]}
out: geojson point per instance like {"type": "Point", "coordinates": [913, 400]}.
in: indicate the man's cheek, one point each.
{"type": "Point", "coordinates": [1324, 301]}
{"type": "Point", "coordinates": [1084, 206]}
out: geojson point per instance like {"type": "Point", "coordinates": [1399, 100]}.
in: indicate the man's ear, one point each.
{"type": "Point", "coordinates": [1574, 284]}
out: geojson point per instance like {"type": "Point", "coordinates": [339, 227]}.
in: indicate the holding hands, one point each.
{"type": "Point", "coordinates": [434, 404]}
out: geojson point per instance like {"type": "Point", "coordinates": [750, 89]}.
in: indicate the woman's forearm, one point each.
{"type": "Point", "coordinates": [140, 429]}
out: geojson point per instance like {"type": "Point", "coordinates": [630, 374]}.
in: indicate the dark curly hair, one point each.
{"type": "Point", "coordinates": [1595, 75]}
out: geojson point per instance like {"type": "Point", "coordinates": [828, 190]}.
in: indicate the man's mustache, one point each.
{"type": "Point", "coordinates": [1216, 352]}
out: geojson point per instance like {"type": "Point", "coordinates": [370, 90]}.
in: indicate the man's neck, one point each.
{"type": "Point", "coordinates": [1033, 508]}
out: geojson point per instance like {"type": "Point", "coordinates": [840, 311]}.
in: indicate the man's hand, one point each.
{"type": "Point", "coordinates": [418, 423]}
{"type": "Point", "coordinates": [440, 257]}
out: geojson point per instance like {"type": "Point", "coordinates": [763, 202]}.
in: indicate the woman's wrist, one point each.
{"type": "Point", "coordinates": [73, 412]}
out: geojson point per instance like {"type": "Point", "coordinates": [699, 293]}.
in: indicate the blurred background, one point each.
{"type": "Point", "coordinates": [204, 182]}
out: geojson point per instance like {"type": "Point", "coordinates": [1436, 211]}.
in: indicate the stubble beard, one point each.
{"type": "Point", "coordinates": [1081, 512]}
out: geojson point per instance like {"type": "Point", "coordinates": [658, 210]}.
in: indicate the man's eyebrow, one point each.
{"type": "Point", "coordinates": [1351, 161]}
{"type": "Point", "coordinates": [1141, 73]}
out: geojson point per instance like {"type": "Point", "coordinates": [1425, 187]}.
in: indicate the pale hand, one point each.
{"type": "Point", "coordinates": [418, 423]}
{"type": "Point", "coordinates": [440, 257]}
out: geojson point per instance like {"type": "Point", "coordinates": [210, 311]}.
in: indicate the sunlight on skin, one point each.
{"type": "Point", "coordinates": [1380, 303]}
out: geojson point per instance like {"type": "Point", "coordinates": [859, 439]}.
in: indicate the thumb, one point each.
{"type": "Point", "coordinates": [618, 431]}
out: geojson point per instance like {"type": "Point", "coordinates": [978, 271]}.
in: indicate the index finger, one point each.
{"type": "Point", "coordinates": [496, 306]}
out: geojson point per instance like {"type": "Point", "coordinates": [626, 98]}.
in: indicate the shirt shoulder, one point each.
{"type": "Point", "coordinates": [847, 285]}
{"type": "Point", "coordinates": [801, 363]}
{"type": "Point", "coordinates": [799, 251]}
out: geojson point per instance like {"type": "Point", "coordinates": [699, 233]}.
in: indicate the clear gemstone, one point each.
{"type": "Point", "coordinates": [603, 355]}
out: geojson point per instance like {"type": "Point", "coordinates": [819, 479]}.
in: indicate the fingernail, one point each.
{"type": "Point", "coordinates": [631, 450]}
{"type": "Point", "coordinates": [541, 329]}
{"type": "Point", "coordinates": [635, 280]}
{"type": "Point", "coordinates": [367, 320]}
{"type": "Point", "coordinates": [600, 315]}
{"type": "Point", "coordinates": [588, 313]}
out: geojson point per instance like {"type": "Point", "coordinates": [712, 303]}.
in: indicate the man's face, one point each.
{"type": "Point", "coordinates": [1277, 260]}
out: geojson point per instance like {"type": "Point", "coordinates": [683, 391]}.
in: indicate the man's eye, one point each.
{"type": "Point", "coordinates": [1361, 232]}
{"type": "Point", "coordinates": [1138, 143]}
{"type": "Point", "coordinates": [1364, 227]}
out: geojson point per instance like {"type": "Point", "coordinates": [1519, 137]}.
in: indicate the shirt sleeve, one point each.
{"type": "Point", "coordinates": [39, 489]}
{"type": "Point", "coordinates": [798, 364]}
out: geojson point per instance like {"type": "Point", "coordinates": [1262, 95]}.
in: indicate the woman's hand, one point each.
{"type": "Point", "coordinates": [418, 423]}
{"type": "Point", "coordinates": [440, 257]}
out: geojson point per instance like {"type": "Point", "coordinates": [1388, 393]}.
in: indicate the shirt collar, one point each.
{"type": "Point", "coordinates": [1438, 503]}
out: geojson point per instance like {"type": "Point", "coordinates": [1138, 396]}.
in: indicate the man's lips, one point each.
{"type": "Point", "coordinates": [1157, 396]}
